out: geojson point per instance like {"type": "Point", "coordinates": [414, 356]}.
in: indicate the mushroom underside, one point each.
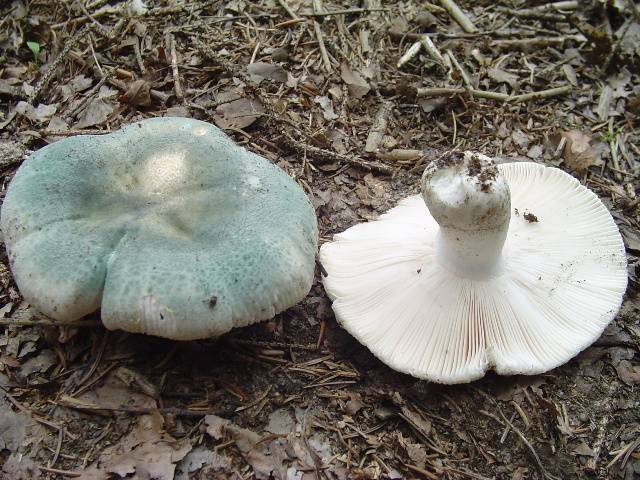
{"type": "Point", "coordinates": [561, 281]}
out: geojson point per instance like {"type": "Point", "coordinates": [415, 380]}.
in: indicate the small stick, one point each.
{"type": "Point", "coordinates": [327, 155]}
{"type": "Point", "coordinates": [378, 129]}
{"type": "Point", "coordinates": [552, 92]}
{"type": "Point", "coordinates": [317, 7]}
{"type": "Point", "coordinates": [57, 471]}
{"type": "Point", "coordinates": [421, 471]}
{"type": "Point", "coordinates": [256, 401]}
{"type": "Point", "coordinates": [287, 8]}
{"type": "Point", "coordinates": [536, 42]}
{"type": "Point", "coordinates": [459, 16]}
{"type": "Point", "coordinates": [544, 472]}
{"type": "Point", "coordinates": [431, 48]}
{"type": "Point", "coordinates": [441, 92]}
{"type": "Point", "coordinates": [463, 72]}
{"type": "Point", "coordinates": [71, 43]}
{"type": "Point", "coordinates": [346, 11]}
{"type": "Point", "coordinates": [401, 155]}
{"type": "Point", "coordinates": [53, 323]}
{"type": "Point", "coordinates": [171, 41]}
{"type": "Point", "coordinates": [411, 52]}
{"type": "Point", "coordinates": [178, 412]}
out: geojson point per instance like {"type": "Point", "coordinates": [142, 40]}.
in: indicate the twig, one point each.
{"type": "Point", "coordinates": [411, 52]}
{"type": "Point", "coordinates": [287, 8]}
{"type": "Point", "coordinates": [64, 473]}
{"type": "Point", "coordinates": [171, 43]}
{"type": "Point", "coordinates": [544, 472]}
{"type": "Point", "coordinates": [463, 73]}
{"type": "Point", "coordinates": [503, 97]}
{"type": "Point", "coordinates": [625, 453]}
{"type": "Point", "coordinates": [458, 15]}
{"type": "Point", "coordinates": [346, 11]}
{"type": "Point", "coordinates": [328, 156]}
{"type": "Point", "coordinates": [378, 128]}
{"type": "Point", "coordinates": [401, 155]}
{"type": "Point", "coordinates": [50, 323]}
{"type": "Point", "coordinates": [536, 42]}
{"type": "Point", "coordinates": [422, 471]}
{"type": "Point", "coordinates": [317, 7]}
{"type": "Point", "coordinates": [552, 92]}
{"type": "Point", "coordinates": [255, 402]}
{"type": "Point", "coordinates": [442, 92]}
{"type": "Point", "coordinates": [178, 412]}
{"type": "Point", "coordinates": [71, 43]}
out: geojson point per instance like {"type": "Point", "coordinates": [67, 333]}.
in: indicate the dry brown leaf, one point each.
{"type": "Point", "coordinates": [40, 114]}
{"type": "Point", "coordinates": [19, 467]}
{"type": "Point", "coordinates": [138, 93]}
{"type": "Point", "coordinates": [260, 71]}
{"type": "Point", "coordinates": [500, 76]}
{"type": "Point", "coordinates": [267, 459]}
{"type": "Point", "coordinates": [628, 373]}
{"type": "Point", "coordinates": [578, 153]}
{"type": "Point", "coordinates": [281, 422]}
{"type": "Point", "coordinates": [96, 113]}
{"type": "Point", "coordinates": [327, 107]}
{"type": "Point", "coordinates": [113, 393]}
{"type": "Point", "coordinates": [357, 85]}
{"type": "Point", "coordinates": [13, 426]}
{"type": "Point", "coordinates": [353, 405]}
{"type": "Point", "coordinates": [147, 451]}
{"type": "Point", "coordinates": [238, 114]}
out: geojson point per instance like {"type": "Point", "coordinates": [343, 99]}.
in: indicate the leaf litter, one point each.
{"type": "Point", "coordinates": [316, 89]}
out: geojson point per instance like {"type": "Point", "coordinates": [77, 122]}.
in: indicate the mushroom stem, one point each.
{"type": "Point", "coordinates": [471, 202]}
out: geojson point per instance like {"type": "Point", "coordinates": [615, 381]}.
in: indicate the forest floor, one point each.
{"type": "Point", "coordinates": [324, 90]}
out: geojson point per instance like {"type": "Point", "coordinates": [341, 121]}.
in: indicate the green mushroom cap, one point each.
{"type": "Point", "coordinates": [166, 225]}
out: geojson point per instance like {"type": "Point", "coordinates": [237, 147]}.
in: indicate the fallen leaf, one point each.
{"type": "Point", "coordinates": [500, 76]}
{"type": "Point", "coordinates": [281, 422]}
{"type": "Point", "coordinates": [358, 87]}
{"type": "Point", "coordinates": [570, 73]}
{"type": "Point", "coordinates": [147, 451]}
{"type": "Point", "coordinates": [114, 393]}
{"type": "Point", "coordinates": [628, 373]}
{"type": "Point", "coordinates": [353, 405]}
{"type": "Point", "coordinates": [39, 364]}
{"type": "Point", "coordinates": [13, 426]}
{"type": "Point", "coordinates": [417, 453]}
{"type": "Point", "coordinates": [238, 114]}
{"type": "Point", "coordinates": [138, 93]}
{"type": "Point", "coordinates": [96, 113]}
{"type": "Point", "coordinates": [535, 152]}
{"type": "Point", "coordinates": [41, 114]}
{"type": "Point", "coordinates": [327, 107]}
{"type": "Point", "coordinates": [604, 103]}
{"type": "Point", "coordinates": [20, 467]}
{"type": "Point", "coordinates": [57, 124]}
{"type": "Point", "coordinates": [583, 449]}
{"type": "Point", "coordinates": [578, 153]}
{"type": "Point", "coordinates": [208, 463]}
{"type": "Point", "coordinates": [267, 459]}
{"type": "Point", "coordinates": [260, 71]}
{"type": "Point", "coordinates": [520, 138]}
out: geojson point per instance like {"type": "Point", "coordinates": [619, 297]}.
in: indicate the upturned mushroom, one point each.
{"type": "Point", "coordinates": [514, 267]}
{"type": "Point", "coordinates": [166, 225]}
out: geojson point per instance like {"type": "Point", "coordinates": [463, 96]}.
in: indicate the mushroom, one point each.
{"type": "Point", "coordinates": [515, 267]}
{"type": "Point", "coordinates": [166, 225]}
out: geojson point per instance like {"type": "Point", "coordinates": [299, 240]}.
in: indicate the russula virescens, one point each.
{"type": "Point", "coordinates": [166, 225]}
{"type": "Point", "coordinates": [514, 267]}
